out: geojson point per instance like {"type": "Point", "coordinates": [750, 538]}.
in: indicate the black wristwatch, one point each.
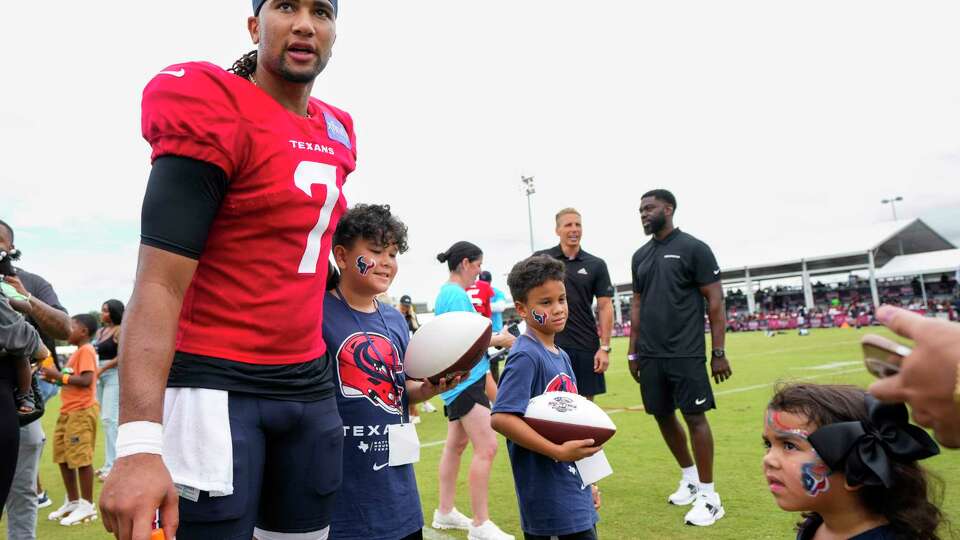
{"type": "Point", "coordinates": [719, 353]}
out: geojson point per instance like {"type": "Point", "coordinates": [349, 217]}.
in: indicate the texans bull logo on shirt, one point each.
{"type": "Point", "coordinates": [365, 374]}
{"type": "Point", "coordinates": [562, 383]}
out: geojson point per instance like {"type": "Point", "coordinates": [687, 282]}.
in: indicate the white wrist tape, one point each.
{"type": "Point", "coordinates": [139, 438]}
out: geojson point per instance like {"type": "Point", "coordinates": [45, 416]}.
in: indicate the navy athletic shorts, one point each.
{"type": "Point", "coordinates": [287, 467]}
{"type": "Point", "coordinates": [475, 394]}
{"type": "Point", "coordinates": [589, 382]}
{"type": "Point", "coordinates": [668, 384]}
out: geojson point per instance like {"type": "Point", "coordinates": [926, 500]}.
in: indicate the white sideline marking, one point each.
{"type": "Point", "coordinates": [431, 534]}
{"type": "Point", "coordinates": [720, 393]}
{"type": "Point", "coordinates": [792, 349]}
{"type": "Point", "coordinates": [832, 365]}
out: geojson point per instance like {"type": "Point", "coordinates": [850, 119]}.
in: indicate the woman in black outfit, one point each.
{"type": "Point", "coordinates": [107, 341]}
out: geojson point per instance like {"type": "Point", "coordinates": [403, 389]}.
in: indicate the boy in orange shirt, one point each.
{"type": "Point", "coordinates": [76, 430]}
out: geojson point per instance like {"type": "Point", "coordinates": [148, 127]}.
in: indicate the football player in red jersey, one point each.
{"type": "Point", "coordinates": [221, 339]}
{"type": "Point", "coordinates": [480, 294]}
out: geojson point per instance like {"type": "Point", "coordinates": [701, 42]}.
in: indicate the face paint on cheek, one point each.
{"type": "Point", "coordinates": [364, 265]}
{"type": "Point", "coordinates": [813, 474]}
{"type": "Point", "coordinates": [815, 477]}
{"type": "Point", "coordinates": [540, 316]}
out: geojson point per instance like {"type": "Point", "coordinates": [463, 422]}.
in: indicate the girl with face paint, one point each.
{"type": "Point", "coordinates": [849, 463]}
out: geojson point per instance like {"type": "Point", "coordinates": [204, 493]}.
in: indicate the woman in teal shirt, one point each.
{"type": "Point", "coordinates": [467, 421]}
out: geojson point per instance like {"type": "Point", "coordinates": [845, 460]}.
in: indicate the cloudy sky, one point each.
{"type": "Point", "coordinates": [775, 124]}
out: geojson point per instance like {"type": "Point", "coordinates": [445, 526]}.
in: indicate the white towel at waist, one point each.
{"type": "Point", "coordinates": [197, 446]}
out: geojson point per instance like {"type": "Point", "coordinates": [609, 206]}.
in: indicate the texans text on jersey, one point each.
{"type": "Point", "coordinates": [365, 431]}
{"type": "Point", "coordinates": [300, 145]}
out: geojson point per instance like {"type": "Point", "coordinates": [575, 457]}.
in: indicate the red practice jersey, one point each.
{"type": "Point", "coordinates": [480, 294]}
{"type": "Point", "coordinates": [257, 295]}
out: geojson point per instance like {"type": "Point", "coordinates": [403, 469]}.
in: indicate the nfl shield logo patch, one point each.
{"type": "Point", "coordinates": [336, 131]}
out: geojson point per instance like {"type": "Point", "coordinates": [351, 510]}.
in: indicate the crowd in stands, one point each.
{"type": "Point", "coordinates": [837, 304]}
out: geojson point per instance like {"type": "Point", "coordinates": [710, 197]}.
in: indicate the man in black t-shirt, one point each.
{"type": "Point", "coordinates": [42, 309]}
{"type": "Point", "coordinates": [675, 276]}
{"type": "Point", "coordinates": [586, 278]}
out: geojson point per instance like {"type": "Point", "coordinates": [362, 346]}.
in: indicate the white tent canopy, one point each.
{"type": "Point", "coordinates": [868, 248]}
{"type": "Point", "coordinates": [945, 261]}
{"type": "Point", "coordinates": [890, 249]}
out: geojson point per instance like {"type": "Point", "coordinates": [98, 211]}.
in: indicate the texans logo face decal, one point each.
{"type": "Point", "coordinates": [815, 479]}
{"type": "Point", "coordinates": [363, 375]}
{"type": "Point", "coordinates": [540, 317]}
{"type": "Point", "coordinates": [364, 265]}
{"type": "Point", "coordinates": [562, 383]}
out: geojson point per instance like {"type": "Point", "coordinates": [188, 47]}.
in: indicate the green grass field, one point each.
{"type": "Point", "coordinates": [634, 498]}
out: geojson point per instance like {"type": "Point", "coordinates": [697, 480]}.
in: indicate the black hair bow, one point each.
{"type": "Point", "coordinates": [864, 450]}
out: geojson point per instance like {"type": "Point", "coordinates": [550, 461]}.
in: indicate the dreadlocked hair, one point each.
{"type": "Point", "coordinates": [245, 66]}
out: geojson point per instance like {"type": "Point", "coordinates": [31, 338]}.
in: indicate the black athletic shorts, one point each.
{"type": "Point", "coordinates": [589, 383]}
{"type": "Point", "coordinates": [286, 471]}
{"type": "Point", "coordinates": [668, 384]}
{"type": "Point", "coordinates": [589, 534]}
{"type": "Point", "coordinates": [471, 395]}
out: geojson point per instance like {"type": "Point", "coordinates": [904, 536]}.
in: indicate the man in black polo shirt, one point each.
{"type": "Point", "coordinates": [586, 278]}
{"type": "Point", "coordinates": [673, 274]}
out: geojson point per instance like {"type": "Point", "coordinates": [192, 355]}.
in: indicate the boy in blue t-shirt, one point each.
{"type": "Point", "coordinates": [378, 498]}
{"type": "Point", "coordinates": [554, 502]}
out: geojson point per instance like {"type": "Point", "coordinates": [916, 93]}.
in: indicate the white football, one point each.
{"type": "Point", "coordinates": [449, 344]}
{"type": "Point", "coordinates": [563, 416]}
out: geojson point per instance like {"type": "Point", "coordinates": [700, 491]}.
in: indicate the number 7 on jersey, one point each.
{"type": "Point", "coordinates": [307, 174]}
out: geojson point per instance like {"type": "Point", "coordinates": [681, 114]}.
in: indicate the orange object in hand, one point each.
{"type": "Point", "coordinates": [47, 362]}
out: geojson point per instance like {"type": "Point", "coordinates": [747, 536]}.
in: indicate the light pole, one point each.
{"type": "Point", "coordinates": [527, 182]}
{"type": "Point", "coordinates": [893, 204]}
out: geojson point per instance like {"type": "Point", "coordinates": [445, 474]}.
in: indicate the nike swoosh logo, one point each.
{"type": "Point", "coordinates": [178, 73]}
{"type": "Point", "coordinates": [700, 401]}
{"type": "Point", "coordinates": [717, 271]}
{"type": "Point", "coordinates": [378, 467]}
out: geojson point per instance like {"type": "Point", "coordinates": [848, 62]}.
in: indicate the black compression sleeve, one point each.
{"type": "Point", "coordinates": [183, 196]}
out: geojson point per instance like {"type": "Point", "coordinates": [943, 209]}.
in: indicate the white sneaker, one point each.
{"type": "Point", "coordinates": [453, 520]}
{"type": "Point", "coordinates": [685, 494]}
{"type": "Point", "coordinates": [415, 419]}
{"type": "Point", "coordinates": [43, 500]}
{"type": "Point", "coordinates": [428, 407]}
{"type": "Point", "coordinates": [60, 513]}
{"type": "Point", "coordinates": [706, 510]}
{"type": "Point", "coordinates": [84, 512]}
{"type": "Point", "coordinates": [487, 531]}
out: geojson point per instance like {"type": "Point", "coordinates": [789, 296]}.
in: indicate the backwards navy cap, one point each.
{"type": "Point", "coordinates": [257, 4]}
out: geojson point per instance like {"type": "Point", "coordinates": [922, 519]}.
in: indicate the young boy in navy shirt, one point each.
{"type": "Point", "coordinates": [554, 502]}
{"type": "Point", "coordinates": [378, 498]}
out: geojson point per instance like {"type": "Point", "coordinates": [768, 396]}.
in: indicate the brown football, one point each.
{"type": "Point", "coordinates": [562, 416]}
{"type": "Point", "coordinates": [448, 345]}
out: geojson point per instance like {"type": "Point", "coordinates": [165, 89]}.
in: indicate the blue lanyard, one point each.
{"type": "Point", "coordinates": [390, 369]}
